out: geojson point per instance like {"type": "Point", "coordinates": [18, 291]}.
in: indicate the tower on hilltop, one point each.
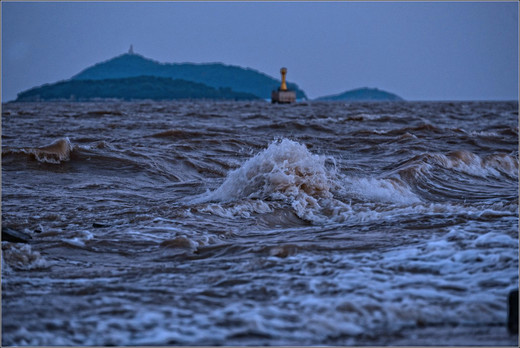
{"type": "Point", "coordinates": [131, 49]}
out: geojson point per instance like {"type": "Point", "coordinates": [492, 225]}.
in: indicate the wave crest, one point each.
{"type": "Point", "coordinates": [494, 165]}
{"type": "Point", "coordinates": [56, 152]}
{"type": "Point", "coordinates": [22, 257]}
{"type": "Point", "coordinates": [287, 173]}
{"type": "Point", "coordinates": [284, 171]}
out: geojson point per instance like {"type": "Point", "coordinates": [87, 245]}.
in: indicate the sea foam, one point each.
{"type": "Point", "coordinates": [494, 165]}
{"type": "Point", "coordinates": [285, 171]}
{"type": "Point", "coordinates": [22, 257]}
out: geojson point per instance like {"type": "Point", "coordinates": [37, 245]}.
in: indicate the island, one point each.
{"type": "Point", "coordinates": [362, 94]}
{"type": "Point", "coordinates": [131, 88]}
{"type": "Point", "coordinates": [216, 75]}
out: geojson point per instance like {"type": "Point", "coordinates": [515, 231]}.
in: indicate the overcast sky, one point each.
{"type": "Point", "coordinates": [418, 50]}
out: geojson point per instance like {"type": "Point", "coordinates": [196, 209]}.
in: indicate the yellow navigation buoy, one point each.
{"type": "Point", "coordinates": [283, 95]}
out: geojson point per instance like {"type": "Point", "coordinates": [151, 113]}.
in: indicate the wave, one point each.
{"type": "Point", "coordinates": [494, 165]}
{"type": "Point", "coordinates": [424, 128]}
{"type": "Point", "coordinates": [57, 152]}
{"type": "Point", "coordinates": [286, 172]}
{"type": "Point", "coordinates": [98, 155]}
{"type": "Point", "coordinates": [310, 184]}
{"type": "Point", "coordinates": [22, 257]}
{"type": "Point", "coordinates": [178, 133]}
{"type": "Point", "coordinates": [384, 190]}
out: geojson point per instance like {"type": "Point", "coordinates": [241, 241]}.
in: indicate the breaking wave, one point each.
{"type": "Point", "coordinates": [57, 152]}
{"type": "Point", "coordinates": [287, 173]}
{"type": "Point", "coordinates": [494, 165]}
{"type": "Point", "coordinates": [285, 170]}
{"type": "Point", "coordinates": [22, 257]}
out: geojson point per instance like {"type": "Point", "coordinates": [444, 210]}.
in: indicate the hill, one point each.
{"type": "Point", "coordinates": [215, 75]}
{"type": "Point", "coordinates": [363, 94]}
{"type": "Point", "coordinates": [142, 87]}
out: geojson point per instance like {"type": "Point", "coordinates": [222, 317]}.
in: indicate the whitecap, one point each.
{"type": "Point", "coordinates": [286, 171]}
{"type": "Point", "coordinates": [57, 152]}
{"type": "Point", "coordinates": [22, 257]}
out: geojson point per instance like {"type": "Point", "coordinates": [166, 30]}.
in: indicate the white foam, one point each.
{"type": "Point", "coordinates": [470, 163]}
{"type": "Point", "coordinates": [285, 171]}
{"type": "Point", "coordinates": [80, 239]}
{"type": "Point", "coordinates": [22, 257]}
{"type": "Point", "coordinates": [493, 239]}
{"type": "Point", "coordinates": [387, 190]}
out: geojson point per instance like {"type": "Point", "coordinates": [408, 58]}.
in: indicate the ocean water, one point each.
{"type": "Point", "coordinates": [247, 223]}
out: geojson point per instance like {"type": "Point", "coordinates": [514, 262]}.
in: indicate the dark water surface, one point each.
{"type": "Point", "coordinates": [238, 223]}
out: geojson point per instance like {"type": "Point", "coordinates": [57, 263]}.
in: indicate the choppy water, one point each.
{"type": "Point", "coordinates": [237, 223]}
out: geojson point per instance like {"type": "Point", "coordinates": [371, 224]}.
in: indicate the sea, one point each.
{"type": "Point", "coordinates": [204, 223]}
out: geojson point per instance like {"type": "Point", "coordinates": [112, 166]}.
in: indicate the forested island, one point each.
{"type": "Point", "coordinates": [362, 94]}
{"type": "Point", "coordinates": [131, 88]}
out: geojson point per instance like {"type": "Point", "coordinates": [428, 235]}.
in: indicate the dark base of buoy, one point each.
{"type": "Point", "coordinates": [512, 313]}
{"type": "Point", "coordinates": [283, 97]}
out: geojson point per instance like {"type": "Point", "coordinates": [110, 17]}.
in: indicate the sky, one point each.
{"type": "Point", "coordinates": [417, 50]}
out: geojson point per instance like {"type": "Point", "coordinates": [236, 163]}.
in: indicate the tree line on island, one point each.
{"type": "Point", "coordinates": [132, 77]}
{"type": "Point", "coordinates": [131, 88]}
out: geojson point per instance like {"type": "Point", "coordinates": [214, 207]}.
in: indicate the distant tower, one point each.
{"type": "Point", "coordinates": [283, 95]}
{"type": "Point", "coordinates": [131, 50]}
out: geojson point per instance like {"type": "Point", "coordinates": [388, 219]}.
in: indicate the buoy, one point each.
{"type": "Point", "coordinates": [283, 95]}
